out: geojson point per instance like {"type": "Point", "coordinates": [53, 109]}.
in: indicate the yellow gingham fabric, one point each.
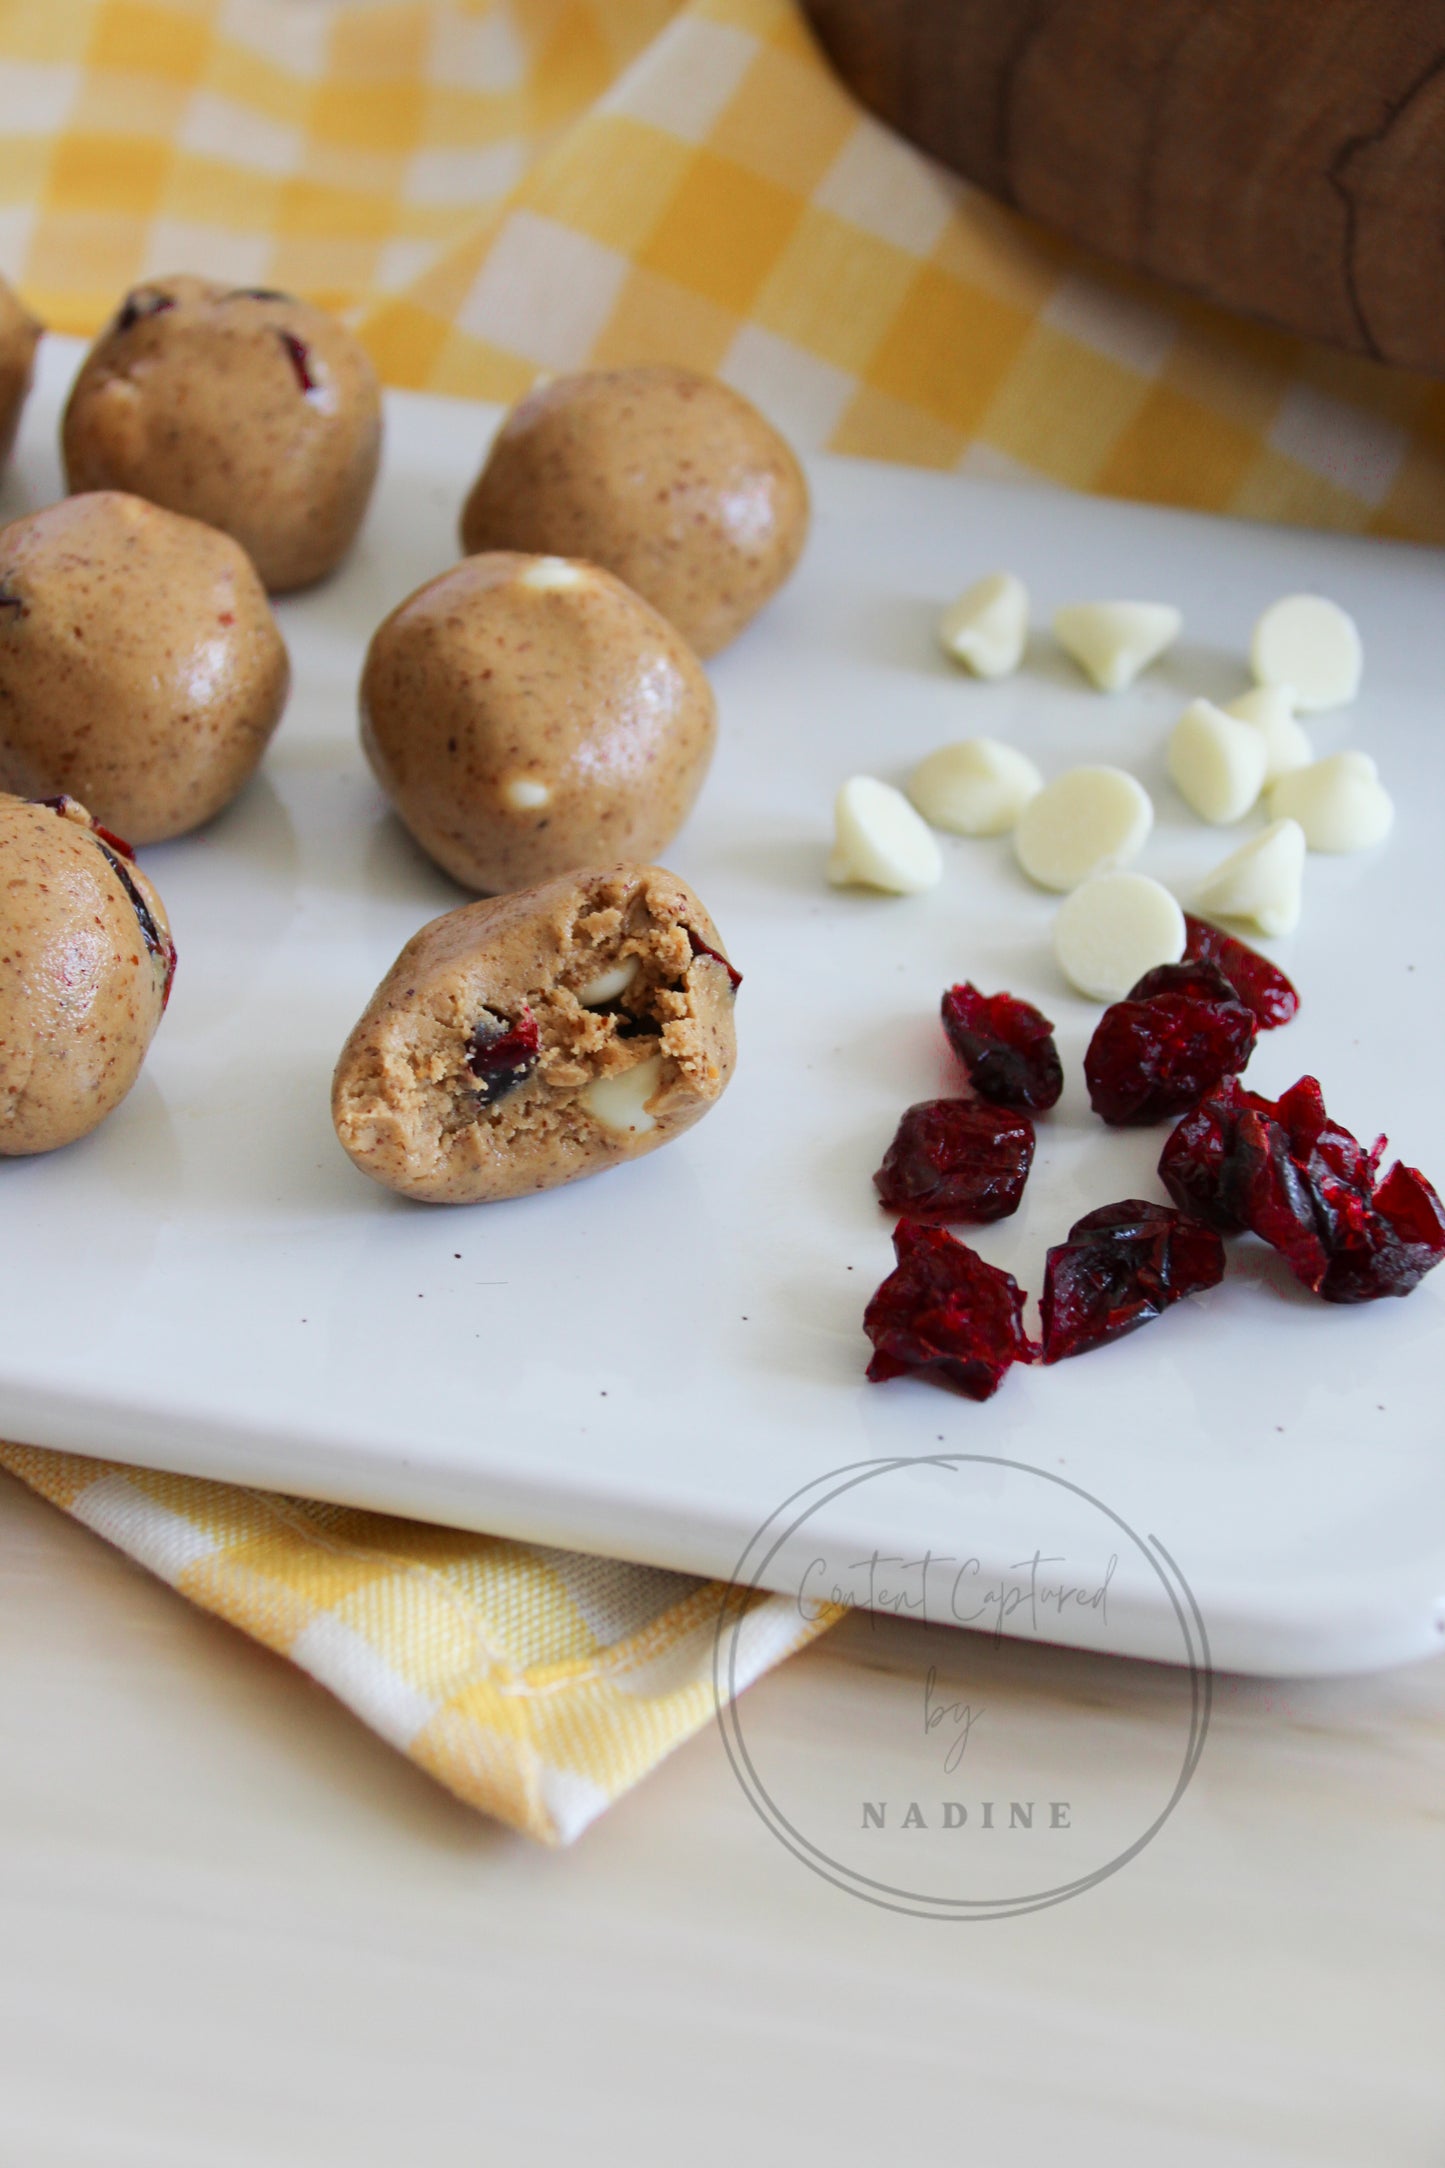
{"type": "Point", "coordinates": [498, 189]}
{"type": "Point", "coordinates": [514, 186]}
{"type": "Point", "coordinates": [536, 1684]}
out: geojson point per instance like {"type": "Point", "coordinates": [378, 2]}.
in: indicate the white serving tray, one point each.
{"type": "Point", "coordinates": [647, 1364]}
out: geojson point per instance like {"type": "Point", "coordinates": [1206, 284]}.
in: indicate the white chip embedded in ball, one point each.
{"type": "Point", "coordinates": [1087, 821]}
{"type": "Point", "coordinates": [986, 628]}
{"type": "Point", "coordinates": [1270, 709]}
{"type": "Point", "coordinates": [977, 787]}
{"type": "Point", "coordinates": [1113, 929]}
{"type": "Point", "coordinates": [1263, 881]}
{"type": "Point", "coordinates": [880, 841]}
{"type": "Point", "coordinates": [1308, 642]}
{"type": "Point", "coordinates": [1340, 803]}
{"type": "Point", "coordinates": [1113, 641]}
{"type": "Point", "coordinates": [1216, 762]}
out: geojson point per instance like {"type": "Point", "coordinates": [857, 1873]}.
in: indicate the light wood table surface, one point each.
{"type": "Point", "coordinates": [236, 1929]}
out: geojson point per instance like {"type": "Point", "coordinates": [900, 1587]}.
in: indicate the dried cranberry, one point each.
{"type": "Point", "coordinates": [1006, 1046]}
{"type": "Point", "coordinates": [1122, 1266]}
{"type": "Point", "coordinates": [945, 1312]}
{"type": "Point", "coordinates": [1197, 977]}
{"type": "Point", "coordinates": [9, 600]}
{"type": "Point", "coordinates": [700, 948]}
{"type": "Point", "coordinates": [1260, 985]}
{"type": "Point", "coordinates": [143, 303]}
{"type": "Point", "coordinates": [954, 1160]}
{"type": "Point", "coordinates": [501, 1058]}
{"type": "Point", "coordinates": [300, 357]}
{"type": "Point", "coordinates": [1291, 1175]}
{"type": "Point", "coordinates": [1152, 1058]}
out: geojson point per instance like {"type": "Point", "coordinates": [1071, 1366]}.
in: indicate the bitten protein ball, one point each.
{"type": "Point", "coordinates": [19, 337]}
{"type": "Point", "coordinates": [527, 714]}
{"type": "Point", "coordinates": [529, 1040]}
{"type": "Point", "coordinates": [141, 669]}
{"type": "Point", "coordinates": [252, 411]}
{"type": "Point", "coordinates": [86, 960]}
{"type": "Point", "coordinates": [670, 480]}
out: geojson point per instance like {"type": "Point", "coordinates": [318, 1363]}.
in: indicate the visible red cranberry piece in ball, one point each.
{"type": "Point", "coordinates": [1006, 1047]}
{"type": "Point", "coordinates": [952, 1159]}
{"type": "Point", "coordinates": [138, 306]}
{"type": "Point", "coordinates": [503, 1056]}
{"type": "Point", "coordinates": [1260, 985]}
{"type": "Point", "coordinates": [944, 1313]}
{"type": "Point", "coordinates": [1121, 1267]}
{"type": "Point", "coordinates": [700, 948]}
{"type": "Point", "coordinates": [299, 355]}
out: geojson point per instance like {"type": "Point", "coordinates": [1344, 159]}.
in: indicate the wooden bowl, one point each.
{"type": "Point", "coordinates": [1285, 158]}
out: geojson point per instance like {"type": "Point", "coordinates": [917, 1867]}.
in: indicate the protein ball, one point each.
{"type": "Point", "coordinates": [527, 715]}
{"type": "Point", "coordinates": [671, 480]}
{"type": "Point", "coordinates": [526, 1041]}
{"type": "Point", "coordinates": [255, 412]}
{"type": "Point", "coordinates": [141, 670]}
{"type": "Point", "coordinates": [19, 336]}
{"type": "Point", "coordinates": [86, 960]}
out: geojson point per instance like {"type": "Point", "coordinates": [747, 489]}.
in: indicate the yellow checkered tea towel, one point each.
{"type": "Point", "coordinates": [534, 1683]}
{"type": "Point", "coordinates": [501, 188]}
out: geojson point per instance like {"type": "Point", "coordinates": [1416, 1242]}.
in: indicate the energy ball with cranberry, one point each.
{"type": "Point", "coordinates": [19, 337]}
{"type": "Point", "coordinates": [529, 714]}
{"type": "Point", "coordinates": [141, 669]}
{"type": "Point", "coordinates": [671, 480]}
{"type": "Point", "coordinates": [86, 960]}
{"type": "Point", "coordinates": [252, 411]}
{"type": "Point", "coordinates": [529, 1040]}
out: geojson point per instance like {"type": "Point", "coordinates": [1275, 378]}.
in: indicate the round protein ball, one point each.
{"type": "Point", "coordinates": [86, 960]}
{"type": "Point", "coordinates": [671, 480]}
{"type": "Point", "coordinates": [257, 413]}
{"type": "Point", "coordinates": [141, 669]}
{"type": "Point", "coordinates": [529, 714]}
{"type": "Point", "coordinates": [529, 1040]}
{"type": "Point", "coordinates": [19, 336]}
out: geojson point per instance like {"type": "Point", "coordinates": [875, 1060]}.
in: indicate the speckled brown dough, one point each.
{"type": "Point", "coordinates": [140, 666]}
{"type": "Point", "coordinates": [255, 412]}
{"type": "Point", "coordinates": [526, 715]}
{"type": "Point", "coordinates": [671, 480]}
{"type": "Point", "coordinates": [19, 337]}
{"type": "Point", "coordinates": [526, 1041]}
{"type": "Point", "coordinates": [85, 968]}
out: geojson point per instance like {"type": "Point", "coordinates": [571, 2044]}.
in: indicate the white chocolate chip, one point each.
{"type": "Point", "coordinates": [1113, 929]}
{"type": "Point", "coordinates": [1340, 803]}
{"type": "Point", "coordinates": [1216, 762]}
{"type": "Point", "coordinates": [1113, 641]}
{"type": "Point", "coordinates": [1262, 881]}
{"type": "Point", "coordinates": [1270, 708]}
{"type": "Point", "coordinates": [524, 793]}
{"type": "Point", "coordinates": [987, 627]}
{"type": "Point", "coordinates": [548, 573]}
{"type": "Point", "coordinates": [620, 1102]}
{"type": "Point", "coordinates": [1087, 821]}
{"type": "Point", "coordinates": [881, 842]}
{"type": "Point", "coordinates": [1308, 642]}
{"type": "Point", "coordinates": [977, 787]}
{"type": "Point", "coordinates": [608, 984]}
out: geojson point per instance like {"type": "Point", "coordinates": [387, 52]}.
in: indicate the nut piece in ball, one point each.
{"type": "Point", "coordinates": [671, 480]}
{"type": "Point", "coordinates": [252, 411]}
{"type": "Point", "coordinates": [526, 715]}
{"type": "Point", "coordinates": [19, 337]}
{"type": "Point", "coordinates": [141, 669]}
{"type": "Point", "coordinates": [529, 1040]}
{"type": "Point", "coordinates": [86, 960]}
